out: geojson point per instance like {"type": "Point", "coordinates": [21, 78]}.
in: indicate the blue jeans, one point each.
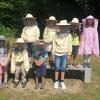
{"type": "Point", "coordinates": [60, 63]}
{"type": "Point", "coordinates": [30, 47]}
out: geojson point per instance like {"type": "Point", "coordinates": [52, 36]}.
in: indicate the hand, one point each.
{"type": "Point", "coordinates": [53, 57]}
{"type": "Point", "coordinates": [69, 58]}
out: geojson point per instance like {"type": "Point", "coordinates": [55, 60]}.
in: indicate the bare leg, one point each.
{"type": "Point", "coordinates": [62, 76]}
{"type": "Point", "coordinates": [36, 83]}
{"type": "Point", "coordinates": [42, 82]}
{"type": "Point", "coordinates": [56, 75]}
{"type": "Point", "coordinates": [5, 79]}
{"type": "Point", "coordinates": [0, 78]}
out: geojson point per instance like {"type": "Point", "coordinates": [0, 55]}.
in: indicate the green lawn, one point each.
{"type": "Point", "coordinates": [76, 89]}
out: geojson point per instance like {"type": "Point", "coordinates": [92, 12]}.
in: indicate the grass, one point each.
{"type": "Point", "coordinates": [76, 89]}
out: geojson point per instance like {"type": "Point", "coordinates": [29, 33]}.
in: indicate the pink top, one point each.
{"type": "Point", "coordinates": [89, 40]}
{"type": "Point", "coordinates": [3, 57]}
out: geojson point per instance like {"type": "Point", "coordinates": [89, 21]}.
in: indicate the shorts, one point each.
{"type": "Point", "coordinates": [41, 71]}
{"type": "Point", "coordinates": [60, 63]}
{"type": "Point", "coordinates": [75, 50]}
{"type": "Point", "coordinates": [49, 53]}
{"type": "Point", "coordinates": [3, 69]}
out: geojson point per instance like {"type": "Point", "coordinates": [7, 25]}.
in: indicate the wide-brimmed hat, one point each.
{"type": "Point", "coordinates": [63, 23]}
{"type": "Point", "coordinates": [30, 16]}
{"type": "Point", "coordinates": [90, 17]}
{"type": "Point", "coordinates": [2, 38]}
{"type": "Point", "coordinates": [20, 40]}
{"type": "Point", "coordinates": [51, 18]}
{"type": "Point", "coordinates": [75, 20]}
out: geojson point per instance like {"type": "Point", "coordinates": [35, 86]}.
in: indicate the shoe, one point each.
{"type": "Point", "coordinates": [24, 85]}
{"type": "Point", "coordinates": [37, 86]}
{"type": "Point", "coordinates": [5, 85]}
{"type": "Point", "coordinates": [88, 64]}
{"type": "Point", "coordinates": [1, 85]}
{"type": "Point", "coordinates": [16, 85]}
{"type": "Point", "coordinates": [85, 65]}
{"type": "Point", "coordinates": [63, 86]}
{"type": "Point", "coordinates": [42, 85]}
{"type": "Point", "coordinates": [56, 85]}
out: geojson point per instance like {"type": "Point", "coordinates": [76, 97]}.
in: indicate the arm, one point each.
{"type": "Point", "coordinates": [37, 34]}
{"type": "Point", "coordinates": [69, 44]}
{"type": "Point", "coordinates": [12, 63]}
{"type": "Point", "coordinates": [45, 35]}
{"type": "Point", "coordinates": [23, 35]}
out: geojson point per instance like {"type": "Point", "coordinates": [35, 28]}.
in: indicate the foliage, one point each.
{"type": "Point", "coordinates": [11, 11]}
{"type": "Point", "coordinates": [7, 31]}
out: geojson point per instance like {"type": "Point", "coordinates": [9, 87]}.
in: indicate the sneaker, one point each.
{"type": "Point", "coordinates": [63, 86]}
{"type": "Point", "coordinates": [42, 86]}
{"type": "Point", "coordinates": [16, 85]}
{"type": "Point", "coordinates": [24, 85]}
{"type": "Point", "coordinates": [37, 86]}
{"type": "Point", "coordinates": [5, 85]}
{"type": "Point", "coordinates": [1, 85]}
{"type": "Point", "coordinates": [56, 85]}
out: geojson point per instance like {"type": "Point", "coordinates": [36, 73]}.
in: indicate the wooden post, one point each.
{"type": "Point", "coordinates": [87, 75]}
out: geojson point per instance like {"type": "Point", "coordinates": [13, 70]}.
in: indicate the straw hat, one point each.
{"type": "Point", "coordinates": [63, 23]}
{"type": "Point", "coordinates": [90, 17]}
{"type": "Point", "coordinates": [30, 16]}
{"type": "Point", "coordinates": [20, 40]}
{"type": "Point", "coordinates": [75, 20]}
{"type": "Point", "coordinates": [2, 38]}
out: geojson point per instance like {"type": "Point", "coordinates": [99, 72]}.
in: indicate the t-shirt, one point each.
{"type": "Point", "coordinates": [75, 37]}
{"type": "Point", "coordinates": [39, 53]}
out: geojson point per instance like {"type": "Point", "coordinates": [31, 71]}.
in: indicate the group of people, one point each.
{"type": "Point", "coordinates": [61, 43]}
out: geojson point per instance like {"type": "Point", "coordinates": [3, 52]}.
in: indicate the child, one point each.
{"type": "Point", "coordinates": [75, 32]}
{"type": "Point", "coordinates": [62, 48]}
{"type": "Point", "coordinates": [40, 56]}
{"type": "Point", "coordinates": [48, 36]}
{"type": "Point", "coordinates": [89, 40]}
{"type": "Point", "coordinates": [4, 59]}
{"type": "Point", "coordinates": [20, 62]}
{"type": "Point", "coordinates": [30, 32]}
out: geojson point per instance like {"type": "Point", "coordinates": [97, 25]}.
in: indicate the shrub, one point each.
{"type": "Point", "coordinates": [7, 31]}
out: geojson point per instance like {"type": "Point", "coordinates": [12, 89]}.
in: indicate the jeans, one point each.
{"type": "Point", "coordinates": [30, 47]}
{"type": "Point", "coordinates": [60, 63]}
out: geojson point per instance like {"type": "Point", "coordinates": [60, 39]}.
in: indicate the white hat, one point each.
{"type": "Point", "coordinates": [63, 23]}
{"type": "Point", "coordinates": [75, 20]}
{"type": "Point", "coordinates": [2, 37]}
{"type": "Point", "coordinates": [30, 16]}
{"type": "Point", "coordinates": [90, 17]}
{"type": "Point", "coordinates": [20, 40]}
{"type": "Point", "coordinates": [52, 18]}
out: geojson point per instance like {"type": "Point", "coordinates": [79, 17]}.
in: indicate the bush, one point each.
{"type": "Point", "coordinates": [7, 31]}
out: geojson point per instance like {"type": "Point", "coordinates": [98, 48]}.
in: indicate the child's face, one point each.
{"type": "Point", "coordinates": [2, 43]}
{"type": "Point", "coordinates": [51, 23]}
{"type": "Point", "coordinates": [74, 26]}
{"type": "Point", "coordinates": [64, 28]}
{"type": "Point", "coordinates": [90, 21]}
{"type": "Point", "coordinates": [20, 45]}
